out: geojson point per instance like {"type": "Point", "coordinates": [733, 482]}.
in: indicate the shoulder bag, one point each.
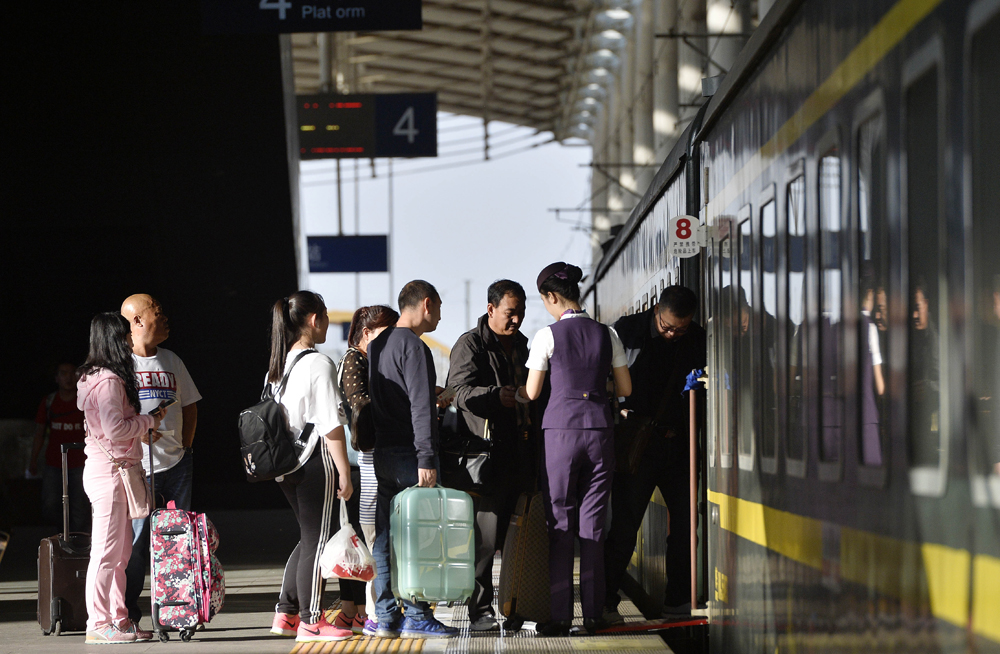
{"type": "Point", "coordinates": [137, 492]}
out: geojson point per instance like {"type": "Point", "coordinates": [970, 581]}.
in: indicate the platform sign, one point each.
{"type": "Point", "coordinates": [368, 253]}
{"type": "Point", "coordinates": [687, 237]}
{"type": "Point", "coordinates": [288, 16]}
{"type": "Point", "coordinates": [366, 126]}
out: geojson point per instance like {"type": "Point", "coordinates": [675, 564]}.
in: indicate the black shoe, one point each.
{"type": "Point", "coordinates": [485, 622]}
{"type": "Point", "coordinates": [553, 628]}
{"type": "Point", "coordinates": [593, 625]}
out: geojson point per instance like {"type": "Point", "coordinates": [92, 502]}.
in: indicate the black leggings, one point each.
{"type": "Point", "coordinates": [312, 492]}
{"type": "Point", "coordinates": [352, 590]}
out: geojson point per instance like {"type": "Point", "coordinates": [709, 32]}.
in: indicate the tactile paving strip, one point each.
{"type": "Point", "coordinates": [471, 642]}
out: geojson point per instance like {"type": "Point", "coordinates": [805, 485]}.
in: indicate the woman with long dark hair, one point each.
{"type": "Point", "coordinates": [312, 405]}
{"type": "Point", "coordinates": [108, 395]}
{"type": "Point", "coordinates": [579, 456]}
{"type": "Point", "coordinates": [357, 598]}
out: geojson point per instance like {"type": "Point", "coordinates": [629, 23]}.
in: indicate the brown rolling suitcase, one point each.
{"type": "Point", "coordinates": [524, 573]}
{"type": "Point", "coordinates": [62, 571]}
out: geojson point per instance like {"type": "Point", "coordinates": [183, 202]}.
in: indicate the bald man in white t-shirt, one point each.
{"type": "Point", "coordinates": [162, 377]}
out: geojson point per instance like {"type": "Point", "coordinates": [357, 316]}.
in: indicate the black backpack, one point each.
{"type": "Point", "coordinates": [266, 442]}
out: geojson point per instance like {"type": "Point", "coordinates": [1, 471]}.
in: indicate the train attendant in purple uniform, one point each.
{"type": "Point", "coordinates": [579, 456]}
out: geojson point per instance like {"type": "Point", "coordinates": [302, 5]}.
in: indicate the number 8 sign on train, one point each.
{"type": "Point", "coordinates": [686, 239]}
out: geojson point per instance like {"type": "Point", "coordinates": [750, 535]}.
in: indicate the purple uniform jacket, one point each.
{"type": "Point", "coordinates": [578, 372]}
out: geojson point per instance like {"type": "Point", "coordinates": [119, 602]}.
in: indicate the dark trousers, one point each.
{"type": "Point", "coordinates": [352, 590]}
{"type": "Point", "coordinates": [492, 519]}
{"type": "Point", "coordinates": [664, 465]}
{"type": "Point", "coordinates": [171, 485]}
{"type": "Point", "coordinates": [578, 468]}
{"type": "Point", "coordinates": [396, 470]}
{"type": "Point", "coordinates": [312, 492]}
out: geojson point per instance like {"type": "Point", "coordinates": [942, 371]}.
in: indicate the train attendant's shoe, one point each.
{"type": "Point", "coordinates": [553, 628]}
{"type": "Point", "coordinates": [370, 627]}
{"type": "Point", "coordinates": [285, 625]}
{"type": "Point", "coordinates": [677, 612]}
{"type": "Point", "coordinates": [141, 635]}
{"type": "Point", "coordinates": [109, 634]}
{"type": "Point", "coordinates": [612, 616]}
{"type": "Point", "coordinates": [388, 628]}
{"type": "Point", "coordinates": [592, 625]}
{"type": "Point", "coordinates": [485, 622]}
{"type": "Point", "coordinates": [320, 632]}
{"type": "Point", "coordinates": [429, 628]}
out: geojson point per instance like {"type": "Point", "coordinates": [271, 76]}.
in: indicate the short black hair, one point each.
{"type": "Point", "coordinates": [679, 300]}
{"type": "Point", "coordinates": [499, 289]}
{"type": "Point", "coordinates": [416, 292]}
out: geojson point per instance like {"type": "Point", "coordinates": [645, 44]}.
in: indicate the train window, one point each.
{"type": "Point", "coordinates": [831, 324]}
{"type": "Point", "coordinates": [744, 342]}
{"type": "Point", "coordinates": [984, 316]}
{"type": "Point", "coordinates": [873, 253]}
{"type": "Point", "coordinates": [645, 301]}
{"type": "Point", "coordinates": [769, 332]}
{"type": "Point", "coordinates": [796, 326]}
{"type": "Point", "coordinates": [710, 313]}
{"type": "Point", "coordinates": [927, 418]}
{"type": "Point", "coordinates": [725, 345]}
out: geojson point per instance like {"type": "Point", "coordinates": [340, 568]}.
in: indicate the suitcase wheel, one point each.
{"type": "Point", "coordinates": [164, 636]}
{"type": "Point", "coordinates": [513, 623]}
{"type": "Point", "coordinates": [186, 635]}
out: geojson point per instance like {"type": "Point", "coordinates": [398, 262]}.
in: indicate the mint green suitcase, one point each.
{"type": "Point", "coordinates": [433, 548]}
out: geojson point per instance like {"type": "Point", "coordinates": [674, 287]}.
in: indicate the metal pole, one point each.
{"type": "Point", "coordinates": [468, 305]}
{"type": "Point", "coordinates": [357, 229]}
{"type": "Point", "coordinates": [340, 204]}
{"type": "Point", "coordinates": [693, 504]}
{"type": "Point", "coordinates": [389, 236]}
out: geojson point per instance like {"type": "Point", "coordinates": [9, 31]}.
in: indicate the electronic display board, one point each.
{"type": "Point", "coordinates": [368, 253]}
{"type": "Point", "coordinates": [287, 16]}
{"type": "Point", "coordinates": [367, 126]}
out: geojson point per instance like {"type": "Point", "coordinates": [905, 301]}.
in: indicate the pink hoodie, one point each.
{"type": "Point", "coordinates": [111, 420]}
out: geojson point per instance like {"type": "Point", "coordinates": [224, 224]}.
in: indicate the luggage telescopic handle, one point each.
{"type": "Point", "coordinates": [66, 447]}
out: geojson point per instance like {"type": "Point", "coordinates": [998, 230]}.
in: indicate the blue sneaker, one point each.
{"type": "Point", "coordinates": [371, 627]}
{"type": "Point", "coordinates": [388, 628]}
{"type": "Point", "coordinates": [430, 628]}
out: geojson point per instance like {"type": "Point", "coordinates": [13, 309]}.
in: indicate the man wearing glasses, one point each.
{"type": "Point", "coordinates": [663, 345]}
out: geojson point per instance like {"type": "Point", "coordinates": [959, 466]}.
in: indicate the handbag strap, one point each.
{"type": "Point", "coordinates": [344, 518]}
{"type": "Point", "coordinates": [111, 458]}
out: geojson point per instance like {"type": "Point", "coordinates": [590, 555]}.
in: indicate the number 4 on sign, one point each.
{"type": "Point", "coordinates": [686, 237]}
{"type": "Point", "coordinates": [405, 126]}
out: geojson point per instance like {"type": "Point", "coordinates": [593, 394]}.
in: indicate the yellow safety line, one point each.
{"type": "Point", "coordinates": [879, 562]}
{"type": "Point", "coordinates": [889, 31]}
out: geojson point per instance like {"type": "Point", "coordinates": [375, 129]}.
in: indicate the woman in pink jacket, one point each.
{"type": "Point", "coordinates": [108, 395]}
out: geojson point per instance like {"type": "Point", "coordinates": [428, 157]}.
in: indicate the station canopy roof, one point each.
{"type": "Point", "coordinates": [507, 60]}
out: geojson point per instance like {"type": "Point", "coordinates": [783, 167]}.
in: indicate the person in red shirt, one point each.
{"type": "Point", "coordinates": [59, 417]}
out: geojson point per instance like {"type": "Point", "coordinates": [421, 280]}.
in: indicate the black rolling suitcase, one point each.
{"type": "Point", "coordinates": [62, 571]}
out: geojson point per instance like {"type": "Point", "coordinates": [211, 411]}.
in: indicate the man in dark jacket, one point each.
{"type": "Point", "coordinates": [487, 366]}
{"type": "Point", "coordinates": [663, 345]}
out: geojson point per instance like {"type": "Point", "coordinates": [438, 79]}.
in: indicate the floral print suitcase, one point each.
{"type": "Point", "coordinates": [188, 586]}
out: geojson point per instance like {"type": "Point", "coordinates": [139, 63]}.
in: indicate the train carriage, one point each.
{"type": "Point", "coordinates": [848, 173]}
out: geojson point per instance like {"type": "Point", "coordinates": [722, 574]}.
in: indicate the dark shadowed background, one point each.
{"type": "Point", "coordinates": [141, 156]}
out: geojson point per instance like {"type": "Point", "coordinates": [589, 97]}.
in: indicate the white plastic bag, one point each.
{"type": "Point", "coordinates": [345, 555]}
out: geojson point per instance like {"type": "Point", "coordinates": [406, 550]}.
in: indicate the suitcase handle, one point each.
{"type": "Point", "coordinates": [65, 448]}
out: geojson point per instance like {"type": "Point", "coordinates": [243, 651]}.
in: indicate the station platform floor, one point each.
{"type": "Point", "coordinates": [244, 624]}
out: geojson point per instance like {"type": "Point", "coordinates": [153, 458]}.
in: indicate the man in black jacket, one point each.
{"type": "Point", "coordinates": [487, 366]}
{"type": "Point", "coordinates": [663, 345]}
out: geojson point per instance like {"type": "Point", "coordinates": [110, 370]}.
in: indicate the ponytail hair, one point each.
{"type": "Point", "coordinates": [289, 317]}
{"type": "Point", "coordinates": [562, 279]}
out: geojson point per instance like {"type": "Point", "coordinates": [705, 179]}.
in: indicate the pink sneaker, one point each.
{"type": "Point", "coordinates": [109, 634]}
{"type": "Point", "coordinates": [141, 635]}
{"type": "Point", "coordinates": [322, 632]}
{"type": "Point", "coordinates": [284, 624]}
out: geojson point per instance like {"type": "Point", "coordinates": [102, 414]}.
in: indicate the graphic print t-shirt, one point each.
{"type": "Point", "coordinates": [66, 427]}
{"type": "Point", "coordinates": [165, 377]}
